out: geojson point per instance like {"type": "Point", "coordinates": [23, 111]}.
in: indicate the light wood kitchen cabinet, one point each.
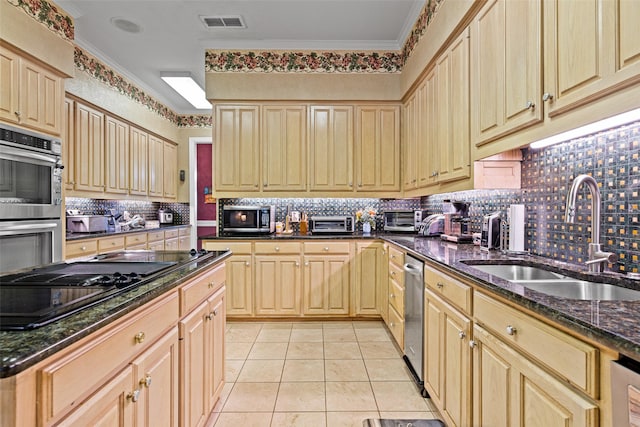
{"type": "Point", "coordinates": [32, 95]}
{"type": "Point", "coordinates": [370, 276]}
{"type": "Point", "coordinates": [447, 359]}
{"type": "Point", "coordinates": [116, 156]}
{"type": "Point", "coordinates": [89, 146]}
{"type": "Point", "coordinates": [239, 268]}
{"type": "Point", "coordinates": [510, 390]}
{"type": "Point", "coordinates": [427, 154]}
{"type": "Point", "coordinates": [326, 278]}
{"type": "Point", "coordinates": [156, 178]}
{"type": "Point", "coordinates": [138, 161]}
{"type": "Point", "coordinates": [237, 149]}
{"type": "Point", "coordinates": [110, 244]}
{"type": "Point", "coordinates": [377, 148]}
{"type": "Point", "coordinates": [383, 290]}
{"type": "Point", "coordinates": [135, 241]}
{"type": "Point", "coordinates": [284, 147]}
{"type": "Point", "coordinates": [202, 359]}
{"type": "Point", "coordinates": [68, 144]}
{"type": "Point", "coordinates": [184, 238]}
{"type": "Point", "coordinates": [171, 242]}
{"type": "Point", "coordinates": [278, 281]}
{"type": "Point", "coordinates": [170, 170]}
{"type": "Point", "coordinates": [395, 292]}
{"type": "Point", "coordinates": [331, 148]}
{"type": "Point", "coordinates": [81, 248]}
{"type": "Point", "coordinates": [506, 73]}
{"type": "Point", "coordinates": [411, 141]}
{"type": "Point", "coordinates": [155, 240]}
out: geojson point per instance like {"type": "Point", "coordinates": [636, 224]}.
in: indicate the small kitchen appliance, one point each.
{"type": "Point", "coordinates": [403, 220]}
{"type": "Point", "coordinates": [433, 225]}
{"type": "Point", "coordinates": [490, 231]}
{"type": "Point", "coordinates": [165, 216]}
{"type": "Point", "coordinates": [246, 220]}
{"type": "Point", "coordinates": [339, 224]}
{"type": "Point", "coordinates": [87, 223]}
{"type": "Point", "coordinates": [456, 222]}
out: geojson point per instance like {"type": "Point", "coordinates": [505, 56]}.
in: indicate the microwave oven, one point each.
{"type": "Point", "coordinates": [331, 224]}
{"type": "Point", "coordinates": [403, 220]}
{"type": "Point", "coordinates": [248, 219]}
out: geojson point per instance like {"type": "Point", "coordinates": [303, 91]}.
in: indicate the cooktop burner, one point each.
{"type": "Point", "coordinates": [34, 298]}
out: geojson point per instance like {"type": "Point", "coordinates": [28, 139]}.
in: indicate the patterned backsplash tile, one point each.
{"type": "Point", "coordinates": [148, 210]}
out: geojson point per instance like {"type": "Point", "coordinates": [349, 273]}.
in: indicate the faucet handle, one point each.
{"type": "Point", "coordinates": [600, 256]}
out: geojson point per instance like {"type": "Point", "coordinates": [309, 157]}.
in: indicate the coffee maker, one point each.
{"type": "Point", "coordinates": [456, 222]}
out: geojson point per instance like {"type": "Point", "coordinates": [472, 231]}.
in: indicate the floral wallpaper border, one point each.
{"type": "Point", "coordinates": [101, 72]}
{"type": "Point", "coordinates": [322, 62]}
{"type": "Point", "coordinates": [48, 15]}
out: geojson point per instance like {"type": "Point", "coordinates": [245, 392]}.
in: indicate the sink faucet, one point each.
{"type": "Point", "coordinates": [597, 257]}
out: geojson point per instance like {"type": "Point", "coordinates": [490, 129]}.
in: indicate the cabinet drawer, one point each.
{"type": "Point", "coordinates": [396, 296]}
{"type": "Point", "coordinates": [396, 273]}
{"type": "Point", "coordinates": [456, 292]}
{"type": "Point", "coordinates": [74, 376]}
{"type": "Point", "coordinates": [81, 248]}
{"type": "Point", "coordinates": [171, 244]}
{"type": "Point", "coordinates": [238, 248]}
{"type": "Point", "coordinates": [110, 244]}
{"type": "Point", "coordinates": [327, 247]}
{"type": "Point", "coordinates": [185, 231]}
{"type": "Point", "coordinates": [154, 236]}
{"type": "Point", "coordinates": [396, 256]}
{"type": "Point", "coordinates": [200, 288]}
{"type": "Point", "coordinates": [278, 248]}
{"type": "Point", "coordinates": [135, 240]}
{"type": "Point", "coordinates": [396, 326]}
{"type": "Point", "coordinates": [156, 246]}
{"type": "Point", "coordinates": [171, 234]}
{"type": "Point", "coordinates": [567, 356]}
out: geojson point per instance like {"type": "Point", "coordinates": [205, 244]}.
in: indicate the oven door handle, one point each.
{"type": "Point", "coordinates": [32, 227]}
{"type": "Point", "coordinates": [17, 154]}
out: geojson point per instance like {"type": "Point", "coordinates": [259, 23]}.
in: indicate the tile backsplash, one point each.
{"type": "Point", "coordinates": [149, 210]}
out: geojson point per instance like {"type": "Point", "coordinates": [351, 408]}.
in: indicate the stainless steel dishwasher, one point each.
{"type": "Point", "coordinates": [414, 319]}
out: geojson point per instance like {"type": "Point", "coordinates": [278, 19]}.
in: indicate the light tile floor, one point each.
{"type": "Point", "coordinates": [316, 374]}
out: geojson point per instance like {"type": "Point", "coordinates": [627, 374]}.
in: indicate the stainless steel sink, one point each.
{"type": "Point", "coordinates": [556, 284]}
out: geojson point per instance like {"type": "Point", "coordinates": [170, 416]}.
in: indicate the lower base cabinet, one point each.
{"type": "Point", "coordinates": [280, 285]}
{"type": "Point", "coordinates": [510, 390]}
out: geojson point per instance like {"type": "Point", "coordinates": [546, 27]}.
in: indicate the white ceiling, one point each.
{"type": "Point", "coordinates": [173, 38]}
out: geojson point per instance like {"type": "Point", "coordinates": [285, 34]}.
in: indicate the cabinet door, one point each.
{"type": "Point", "coordinates": [410, 143]}
{"type": "Point", "coordinates": [236, 159]}
{"type": "Point", "coordinates": [89, 149]}
{"type": "Point", "coordinates": [331, 148]}
{"type": "Point", "coordinates": [326, 284]}
{"type": "Point", "coordinates": [369, 277]}
{"type": "Point", "coordinates": [378, 148]}
{"type": "Point", "coordinates": [170, 170]}
{"type": "Point", "coordinates": [156, 372]}
{"type": "Point", "coordinates": [138, 161]}
{"type": "Point", "coordinates": [506, 59]}
{"type": "Point", "coordinates": [278, 285]}
{"type": "Point", "coordinates": [9, 85]}
{"type": "Point", "coordinates": [239, 285]}
{"type": "Point", "coordinates": [156, 179]}
{"type": "Point", "coordinates": [428, 155]}
{"type": "Point", "coordinates": [41, 98]}
{"type": "Point", "coordinates": [216, 324]}
{"type": "Point", "coordinates": [112, 405]}
{"type": "Point", "coordinates": [68, 145]}
{"type": "Point", "coordinates": [117, 156]}
{"type": "Point", "coordinates": [511, 390]}
{"type": "Point", "coordinates": [284, 148]}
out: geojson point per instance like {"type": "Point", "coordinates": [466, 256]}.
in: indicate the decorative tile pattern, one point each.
{"type": "Point", "coordinates": [48, 15]}
{"type": "Point", "coordinates": [149, 210]}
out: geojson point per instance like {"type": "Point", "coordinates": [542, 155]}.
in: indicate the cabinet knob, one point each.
{"type": "Point", "coordinates": [146, 381]}
{"type": "Point", "coordinates": [209, 316]}
{"type": "Point", "coordinates": [462, 335]}
{"type": "Point", "coordinates": [393, 273]}
{"type": "Point", "coordinates": [306, 263]}
{"type": "Point", "coordinates": [139, 338]}
{"type": "Point", "coordinates": [215, 312]}
{"type": "Point", "coordinates": [18, 113]}
{"type": "Point", "coordinates": [440, 285]}
{"type": "Point", "coordinates": [472, 344]}
{"type": "Point", "coordinates": [266, 184]}
{"type": "Point", "coordinates": [391, 324]}
{"type": "Point", "coordinates": [326, 248]}
{"type": "Point", "coordinates": [359, 184]}
{"type": "Point", "coordinates": [83, 248]}
{"type": "Point", "coordinates": [547, 96]}
{"type": "Point", "coordinates": [392, 296]}
{"type": "Point", "coordinates": [511, 330]}
{"type": "Point", "coordinates": [246, 263]}
{"type": "Point", "coordinates": [134, 395]}
{"type": "Point", "coordinates": [530, 105]}
{"type": "Point", "coordinates": [277, 248]}
{"type": "Point", "coordinates": [297, 264]}
{"type": "Point", "coordinates": [211, 284]}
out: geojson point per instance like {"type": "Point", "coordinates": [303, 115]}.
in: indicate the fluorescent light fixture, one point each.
{"type": "Point", "coordinates": [591, 128]}
{"type": "Point", "coordinates": [183, 83]}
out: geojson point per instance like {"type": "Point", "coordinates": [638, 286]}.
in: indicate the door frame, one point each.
{"type": "Point", "coordinates": [193, 188]}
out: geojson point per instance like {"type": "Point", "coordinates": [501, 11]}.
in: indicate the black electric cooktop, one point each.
{"type": "Point", "coordinates": [34, 298]}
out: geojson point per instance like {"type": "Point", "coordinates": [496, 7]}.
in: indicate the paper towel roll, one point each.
{"type": "Point", "coordinates": [516, 227]}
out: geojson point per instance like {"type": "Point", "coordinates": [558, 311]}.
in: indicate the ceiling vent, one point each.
{"type": "Point", "coordinates": [223, 21]}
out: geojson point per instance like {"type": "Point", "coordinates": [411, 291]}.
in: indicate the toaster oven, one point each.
{"type": "Point", "coordinates": [403, 220]}
{"type": "Point", "coordinates": [331, 224]}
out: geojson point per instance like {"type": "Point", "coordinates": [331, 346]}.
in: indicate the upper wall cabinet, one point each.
{"type": "Point", "coordinates": [30, 94]}
{"type": "Point", "coordinates": [284, 147]}
{"type": "Point", "coordinates": [156, 179]}
{"type": "Point", "coordinates": [331, 148]}
{"type": "Point", "coordinates": [378, 148]}
{"type": "Point", "coordinates": [506, 72]}
{"type": "Point", "coordinates": [89, 149]}
{"type": "Point", "coordinates": [237, 147]}
{"type": "Point", "coordinates": [138, 161]}
{"type": "Point", "coordinates": [117, 156]}
{"type": "Point", "coordinates": [170, 170]}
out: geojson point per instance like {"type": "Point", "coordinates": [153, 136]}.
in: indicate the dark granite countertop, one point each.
{"type": "Point", "coordinates": [614, 324]}
{"type": "Point", "coordinates": [79, 236]}
{"type": "Point", "coordinates": [295, 236]}
{"type": "Point", "coordinates": [22, 349]}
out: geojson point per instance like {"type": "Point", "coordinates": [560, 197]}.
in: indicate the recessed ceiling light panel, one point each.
{"type": "Point", "coordinates": [227, 21]}
{"type": "Point", "coordinates": [126, 25]}
{"type": "Point", "coordinates": [183, 83]}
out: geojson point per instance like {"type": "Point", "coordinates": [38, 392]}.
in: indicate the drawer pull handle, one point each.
{"type": "Point", "coordinates": [277, 248]}
{"type": "Point", "coordinates": [391, 325]}
{"type": "Point", "coordinates": [392, 296]}
{"type": "Point", "coordinates": [211, 284]}
{"type": "Point", "coordinates": [511, 330]}
{"type": "Point", "coordinates": [326, 249]}
{"type": "Point", "coordinates": [440, 285]}
{"type": "Point", "coordinates": [530, 105]}
{"type": "Point", "coordinates": [134, 395]}
{"type": "Point", "coordinates": [209, 316]}
{"type": "Point", "coordinates": [139, 337]}
{"type": "Point", "coordinates": [215, 312]}
{"type": "Point", "coordinates": [472, 344]}
{"type": "Point", "coordinates": [146, 381]}
{"type": "Point", "coordinates": [84, 248]}
{"type": "Point", "coordinates": [247, 263]}
{"type": "Point", "coordinates": [462, 335]}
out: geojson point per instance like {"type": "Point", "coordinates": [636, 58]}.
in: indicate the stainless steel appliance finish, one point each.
{"type": "Point", "coordinates": [165, 216]}
{"type": "Point", "coordinates": [625, 392]}
{"type": "Point", "coordinates": [30, 175]}
{"type": "Point", "coordinates": [414, 318]}
{"type": "Point", "coordinates": [331, 224]}
{"type": "Point", "coordinates": [433, 225]}
{"type": "Point", "coordinates": [87, 223]}
{"type": "Point", "coordinates": [29, 243]}
{"type": "Point", "coordinates": [403, 220]}
{"type": "Point", "coordinates": [248, 219]}
{"type": "Point", "coordinates": [490, 231]}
